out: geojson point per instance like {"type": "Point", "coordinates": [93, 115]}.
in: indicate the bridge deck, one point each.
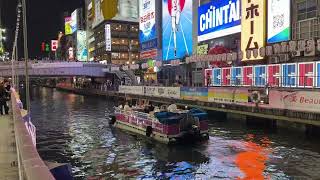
{"type": "Point", "coordinates": [8, 155]}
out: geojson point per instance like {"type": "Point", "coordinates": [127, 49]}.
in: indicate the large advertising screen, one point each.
{"type": "Point", "coordinates": [67, 26]}
{"type": "Point", "coordinates": [123, 10]}
{"type": "Point", "coordinates": [215, 20]}
{"type": "Point", "coordinates": [82, 51]}
{"type": "Point", "coordinates": [253, 27]}
{"type": "Point", "coordinates": [147, 13]}
{"type": "Point", "coordinates": [176, 29]}
{"type": "Point", "coordinates": [278, 20]}
{"type": "Point", "coordinates": [74, 21]}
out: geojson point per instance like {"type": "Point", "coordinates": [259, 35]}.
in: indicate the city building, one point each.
{"type": "Point", "coordinates": [115, 30]}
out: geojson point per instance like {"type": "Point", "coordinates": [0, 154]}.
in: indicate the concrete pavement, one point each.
{"type": "Point", "coordinates": [8, 154]}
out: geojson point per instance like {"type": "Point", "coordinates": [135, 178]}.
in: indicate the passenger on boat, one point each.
{"type": "Point", "coordinates": [172, 108]}
{"type": "Point", "coordinates": [127, 107]}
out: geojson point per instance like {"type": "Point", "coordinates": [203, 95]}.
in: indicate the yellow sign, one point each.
{"type": "Point", "coordinates": [253, 26]}
{"type": "Point", "coordinates": [202, 49]}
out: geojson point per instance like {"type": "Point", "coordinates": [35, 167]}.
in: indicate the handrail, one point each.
{"type": "Point", "coordinates": [31, 166]}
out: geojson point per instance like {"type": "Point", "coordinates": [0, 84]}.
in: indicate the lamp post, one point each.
{"type": "Point", "coordinates": [25, 37]}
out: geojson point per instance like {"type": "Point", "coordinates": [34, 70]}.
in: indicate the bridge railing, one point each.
{"type": "Point", "coordinates": [31, 166]}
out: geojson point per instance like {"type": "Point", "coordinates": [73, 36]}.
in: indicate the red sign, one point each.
{"type": "Point", "coordinates": [152, 54]}
{"type": "Point", "coordinates": [306, 74]}
{"type": "Point", "coordinates": [274, 75]}
{"type": "Point", "coordinates": [226, 76]}
{"type": "Point", "coordinates": [247, 76]}
{"type": "Point", "coordinates": [208, 77]}
{"type": "Point", "coordinates": [54, 45]}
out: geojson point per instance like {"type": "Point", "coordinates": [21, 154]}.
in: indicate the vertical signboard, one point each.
{"type": "Point", "coordinates": [253, 26]}
{"type": "Point", "coordinates": [82, 51]}
{"type": "Point", "coordinates": [247, 76]}
{"type": "Point", "coordinates": [147, 24]}
{"type": "Point", "coordinates": [67, 26]}
{"type": "Point", "coordinates": [289, 75]}
{"type": "Point", "coordinates": [108, 37]}
{"type": "Point", "coordinates": [218, 18]}
{"type": "Point", "coordinates": [306, 74]}
{"type": "Point", "coordinates": [260, 75]}
{"type": "Point", "coordinates": [226, 76]}
{"type": "Point", "coordinates": [54, 45]}
{"type": "Point", "coordinates": [274, 75]}
{"type": "Point", "coordinates": [236, 76]}
{"type": "Point", "coordinates": [74, 21]}
{"type": "Point", "coordinates": [176, 29]}
{"type": "Point", "coordinates": [216, 77]}
{"type": "Point", "coordinates": [278, 20]}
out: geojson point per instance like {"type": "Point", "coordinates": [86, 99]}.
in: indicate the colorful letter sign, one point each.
{"type": "Point", "coordinates": [247, 75]}
{"type": "Point", "coordinates": [226, 76]}
{"type": "Point", "coordinates": [306, 74]}
{"type": "Point", "coordinates": [236, 76]}
{"type": "Point", "coordinates": [253, 26]}
{"type": "Point", "coordinates": [289, 75]}
{"type": "Point", "coordinates": [274, 75]}
{"type": "Point", "coordinates": [260, 75]}
{"type": "Point", "coordinates": [216, 80]}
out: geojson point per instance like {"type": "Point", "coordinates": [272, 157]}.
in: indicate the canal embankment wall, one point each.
{"type": "Point", "coordinates": [31, 166]}
{"type": "Point", "coordinates": [234, 104]}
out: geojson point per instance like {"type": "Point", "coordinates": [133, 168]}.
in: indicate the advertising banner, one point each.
{"type": "Point", "coordinates": [196, 94]}
{"type": "Point", "coordinates": [226, 76]}
{"type": "Point", "coordinates": [151, 54]}
{"type": "Point", "coordinates": [299, 100]}
{"type": "Point", "coordinates": [82, 51]}
{"type": "Point", "coordinates": [274, 75]}
{"type": "Point", "coordinates": [236, 76]}
{"type": "Point", "coordinates": [137, 90]}
{"type": "Point", "coordinates": [306, 74]}
{"type": "Point", "coordinates": [216, 77]}
{"type": "Point", "coordinates": [176, 29]}
{"type": "Point", "coordinates": [74, 21]}
{"type": "Point", "coordinates": [289, 75]}
{"type": "Point", "coordinates": [279, 20]}
{"type": "Point", "coordinates": [67, 26]}
{"type": "Point", "coordinates": [247, 76]}
{"type": "Point", "coordinates": [260, 75]}
{"type": "Point", "coordinates": [215, 20]}
{"type": "Point", "coordinates": [253, 26]}
{"type": "Point", "coordinates": [166, 92]}
{"type": "Point", "coordinates": [147, 24]}
{"type": "Point", "coordinates": [228, 95]}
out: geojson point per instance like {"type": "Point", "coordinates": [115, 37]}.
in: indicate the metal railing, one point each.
{"type": "Point", "coordinates": [30, 164]}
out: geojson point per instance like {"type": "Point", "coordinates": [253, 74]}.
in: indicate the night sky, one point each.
{"type": "Point", "coordinates": [44, 20]}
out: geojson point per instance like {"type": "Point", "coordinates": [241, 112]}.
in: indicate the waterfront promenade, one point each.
{"type": "Point", "coordinates": [8, 154]}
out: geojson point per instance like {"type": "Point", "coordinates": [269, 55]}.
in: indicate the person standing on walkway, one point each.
{"type": "Point", "coordinates": [3, 99]}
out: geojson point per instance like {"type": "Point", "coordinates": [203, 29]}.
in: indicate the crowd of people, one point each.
{"type": "Point", "coordinates": [5, 88]}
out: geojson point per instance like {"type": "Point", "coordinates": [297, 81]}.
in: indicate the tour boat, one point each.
{"type": "Point", "coordinates": [168, 127]}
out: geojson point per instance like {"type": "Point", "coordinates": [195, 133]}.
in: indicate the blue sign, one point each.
{"type": "Point", "coordinates": [289, 75]}
{"type": "Point", "coordinates": [219, 18]}
{"type": "Point", "coordinates": [216, 77]}
{"type": "Point", "coordinates": [318, 74]}
{"type": "Point", "coordinates": [260, 75]}
{"type": "Point", "coordinates": [236, 76]}
{"type": "Point", "coordinates": [176, 29]}
{"type": "Point", "coordinates": [147, 25]}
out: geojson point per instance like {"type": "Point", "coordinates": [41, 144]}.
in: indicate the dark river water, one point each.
{"type": "Point", "coordinates": [74, 129]}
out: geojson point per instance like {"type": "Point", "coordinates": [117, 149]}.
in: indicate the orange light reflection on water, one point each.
{"type": "Point", "coordinates": [252, 161]}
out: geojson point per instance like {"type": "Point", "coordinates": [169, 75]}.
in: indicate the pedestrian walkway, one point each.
{"type": "Point", "coordinates": [8, 154]}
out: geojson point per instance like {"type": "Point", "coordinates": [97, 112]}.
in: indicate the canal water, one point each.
{"type": "Point", "coordinates": [74, 129]}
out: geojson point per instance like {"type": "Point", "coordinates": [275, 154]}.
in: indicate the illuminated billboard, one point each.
{"type": "Point", "coordinates": [123, 10]}
{"type": "Point", "coordinates": [253, 26]}
{"type": "Point", "coordinates": [278, 20]}
{"type": "Point", "coordinates": [147, 24]}
{"type": "Point", "coordinates": [176, 29]}
{"type": "Point", "coordinates": [67, 26]}
{"type": "Point", "coordinates": [215, 20]}
{"type": "Point", "coordinates": [82, 51]}
{"type": "Point", "coordinates": [74, 21]}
